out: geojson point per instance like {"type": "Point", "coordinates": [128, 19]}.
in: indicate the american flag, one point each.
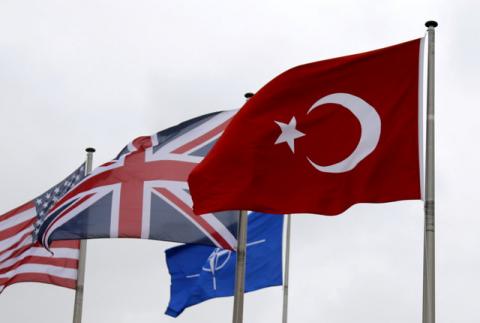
{"type": "Point", "coordinates": [44, 202]}
{"type": "Point", "coordinates": [22, 259]}
{"type": "Point", "coordinates": [143, 192]}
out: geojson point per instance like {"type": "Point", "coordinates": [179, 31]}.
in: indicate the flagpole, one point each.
{"type": "Point", "coordinates": [287, 270]}
{"type": "Point", "coordinates": [429, 248]}
{"type": "Point", "coordinates": [240, 267]}
{"type": "Point", "coordinates": [241, 255]}
{"type": "Point", "coordinates": [77, 310]}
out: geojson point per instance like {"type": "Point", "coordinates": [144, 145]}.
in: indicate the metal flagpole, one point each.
{"type": "Point", "coordinates": [240, 267]}
{"type": "Point", "coordinates": [241, 255]}
{"type": "Point", "coordinates": [429, 248]}
{"type": "Point", "coordinates": [287, 269]}
{"type": "Point", "coordinates": [77, 310]}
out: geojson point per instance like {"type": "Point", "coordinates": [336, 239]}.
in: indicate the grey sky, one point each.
{"type": "Point", "coordinates": [100, 73]}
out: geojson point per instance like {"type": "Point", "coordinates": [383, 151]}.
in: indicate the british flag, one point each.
{"type": "Point", "coordinates": [143, 192]}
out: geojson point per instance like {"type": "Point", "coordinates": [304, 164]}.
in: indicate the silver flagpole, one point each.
{"type": "Point", "coordinates": [287, 270]}
{"type": "Point", "coordinates": [241, 255]}
{"type": "Point", "coordinates": [77, 310]}
{"type": "Point", "coordinates": [429, 248]}
{"type": "Point", "coordinates": [240, 267]}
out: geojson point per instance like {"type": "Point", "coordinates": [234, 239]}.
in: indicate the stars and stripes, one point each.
{"type": "Point", "coordinates": [143, 193]}
{"type": "Point", "coordinates": [44, 202]}
{"type": "Point", "coordinates": [22, 258]}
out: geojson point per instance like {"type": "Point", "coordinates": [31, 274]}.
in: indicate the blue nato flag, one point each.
{"type": "Point", "coordinates": [199, 273]}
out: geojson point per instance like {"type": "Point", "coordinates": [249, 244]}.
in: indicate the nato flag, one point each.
{"type": "Point", "coordinates": [200, 272]}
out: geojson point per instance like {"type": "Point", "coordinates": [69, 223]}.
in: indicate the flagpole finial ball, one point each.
{"type": "Point", "coordinates": [248, 95]}
{"type": "Point", "coordinates": [431, 23]}
{"type": "Point", "coordinates": [90, 150]}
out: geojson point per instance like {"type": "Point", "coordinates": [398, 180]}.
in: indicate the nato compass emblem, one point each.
{"type": "Point", "coordinates": [218, 259]}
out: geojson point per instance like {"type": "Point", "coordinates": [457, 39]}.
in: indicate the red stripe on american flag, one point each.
{"type": "Point", "coordinates": [39, 260]}
{"type": "Point", "coordinates": [17, 244]}
{"type": "Point", "coordinates": [10, 232]}
{"type": "Point", "coordinates": [18, 252]}
{"type": "Point", "coordinates": [39, 278]}
{"type": "Point", "coordinates": [17, 210]}
{"type": "Point", "coordinates": [195, 218]}
{"type": "Point", "coordinates": [72, 244]}
{"type": "Point", "coordinates": [25, 262]}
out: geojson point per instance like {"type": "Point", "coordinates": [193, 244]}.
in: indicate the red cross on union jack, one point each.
{"type": "Point", "coordinates": [144, 192]}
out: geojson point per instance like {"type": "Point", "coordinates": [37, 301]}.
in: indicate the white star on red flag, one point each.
{"type": "Point", "coordinates": [289, 133]}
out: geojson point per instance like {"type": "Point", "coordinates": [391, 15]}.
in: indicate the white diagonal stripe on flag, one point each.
{"type": "Point", "coordinates": [165, 152]}
{"type": "Point", "coordinates": [178, 189]}
{"type": "Point", "coordinates": [118, 197]}
{"type": "Point", "coordinates": [64, 217]}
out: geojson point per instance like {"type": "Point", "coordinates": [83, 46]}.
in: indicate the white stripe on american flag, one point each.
{"type": "Point", "coordinates": [35, 263]}
{"type": "Point", "coordinates": [70, 253]}
{"type": "Point", "coordinates": [17, 219]}
{"type": "Point", "coordinates": [25, 242]}
{"type": "Point", "coordinates": [5, 244]}
{"type": "Point", "coordinates": [61, 272]}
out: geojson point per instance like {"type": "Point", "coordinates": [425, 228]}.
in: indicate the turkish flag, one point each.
{"type": "Point", "coordinates": [321, 137]}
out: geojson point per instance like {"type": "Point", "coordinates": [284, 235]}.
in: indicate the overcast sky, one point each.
{"type": "Point", "coordinates": [102, 72]}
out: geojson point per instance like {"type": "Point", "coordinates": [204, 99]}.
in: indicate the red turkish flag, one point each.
{"type": "Point", "coordinates": [321, 137]}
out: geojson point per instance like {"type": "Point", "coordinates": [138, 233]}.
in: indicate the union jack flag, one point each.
{"type": "Point", "coordinates": [143, 192]}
